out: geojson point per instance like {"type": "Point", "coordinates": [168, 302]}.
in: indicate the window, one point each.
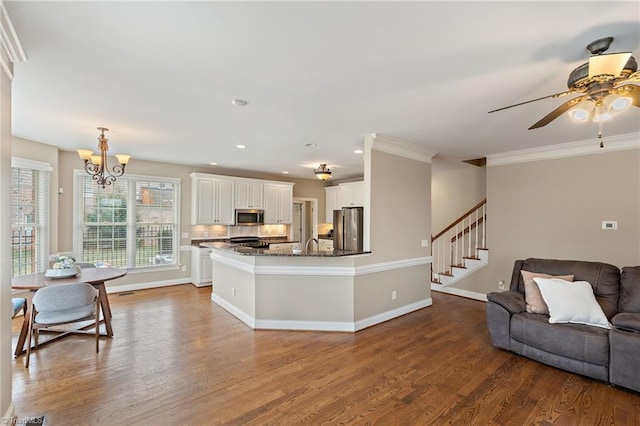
{"type": "Point", "coordinates": [29, 216]}
{"type": "Point", "coordinates": [132, 223]}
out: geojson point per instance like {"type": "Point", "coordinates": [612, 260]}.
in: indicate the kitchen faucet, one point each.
{"type": "Point", "coordinates": [306, 246]}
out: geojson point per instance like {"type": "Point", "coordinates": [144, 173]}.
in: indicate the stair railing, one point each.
{"type": "Point", "coordinates": [460, 240]}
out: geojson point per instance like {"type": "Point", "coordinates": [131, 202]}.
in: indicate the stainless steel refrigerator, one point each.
{"type": "Point", "coordinates": [348, 228]}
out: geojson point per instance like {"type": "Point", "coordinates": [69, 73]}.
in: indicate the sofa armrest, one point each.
{"type": "Point", "coordinates": [512, 301]}
{"type": "Point", "coordinates": [627, 321]}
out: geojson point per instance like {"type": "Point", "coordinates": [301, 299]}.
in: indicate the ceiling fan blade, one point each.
{"type": "Point", "coordinates": [558, 111]}
{"type": "Point", "coordinates": [630, 90]}
{"type": "Point", "coordinates": [556, 95]}
{"type": "Point", "coordinates": [608, 64]}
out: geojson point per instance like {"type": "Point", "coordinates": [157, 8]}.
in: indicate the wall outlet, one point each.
{"type": "Point", "coordinates": [501, 285]}
{"type": "Point", "coordinates": [394, 295]}
{"type": "Point", "coordinates": [183, 268]}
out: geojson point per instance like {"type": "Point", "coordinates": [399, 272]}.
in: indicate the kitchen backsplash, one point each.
{"type": "Point", "coordinates": [223, 231]}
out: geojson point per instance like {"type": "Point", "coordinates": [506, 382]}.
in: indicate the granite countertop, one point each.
{"type": "Point", "coordinates": [250, 251]}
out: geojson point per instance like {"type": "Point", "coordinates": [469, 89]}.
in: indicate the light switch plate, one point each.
{"type": "Point", "coordinates": [609, 225]}
{"type": "Point", "coordinates": [425, 243]}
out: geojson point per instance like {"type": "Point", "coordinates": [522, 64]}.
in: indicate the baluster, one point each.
{"type": "Point", "coordinates": [476, 242]}
{"type": "Point", "coordinates": [484, 221]}
{"type": "Point", "coordinates": [469, 237]}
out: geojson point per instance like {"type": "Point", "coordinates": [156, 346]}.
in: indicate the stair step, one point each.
{"type": "Point", "coordinates": [459, 266]}
{"type": "Point", "coordinates": [482, 248]}
{"type": "Point", "coordinates": [471, 257]}
{"type": "Point", "coordinates": [446, 274]}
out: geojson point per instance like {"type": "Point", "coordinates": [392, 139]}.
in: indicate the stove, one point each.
{"type": "Point", "coordinates": [253, 242]}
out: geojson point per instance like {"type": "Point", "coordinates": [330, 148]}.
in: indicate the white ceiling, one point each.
{"type": "Point", "coordinates": [161, 76]}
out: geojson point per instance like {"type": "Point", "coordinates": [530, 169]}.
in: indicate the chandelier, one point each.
{"type": "Point", "coordinates": [96, 165]}
{"type": "Point", "coordinates": [323, 173]}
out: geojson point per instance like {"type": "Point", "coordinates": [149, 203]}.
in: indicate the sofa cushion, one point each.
{"type": "Point", "coordinates": [577, 341]}
{"type": "Point", "coordinates": [627, 321]}
{"type": "Point", "coordinates": [532, 295]}
{"type": "Point", "coordinates": [603, 277]}
{"type": "Point", "coordinates": [571, 302]}
{"type": "Point", "coordinates": [630, 289]}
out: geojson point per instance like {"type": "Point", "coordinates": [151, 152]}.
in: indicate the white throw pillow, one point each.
{"type": "Point", "coordinates": [571, 302]}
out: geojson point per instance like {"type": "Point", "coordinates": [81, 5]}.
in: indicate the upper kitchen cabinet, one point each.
{"type": "Point", "coordinates": [212, 200]}
{"type": "Point", "coordinates": [248, 195]}
{"type": "Point", "coordinates": [278, 203]}
{"type": "Point", "coordinates": [352, 194]}
{"type": "Point", "coordinates": [332, 202]}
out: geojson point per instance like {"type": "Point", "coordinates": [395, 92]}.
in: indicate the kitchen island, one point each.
{"type": "Point", "coordinates": [317, 290]}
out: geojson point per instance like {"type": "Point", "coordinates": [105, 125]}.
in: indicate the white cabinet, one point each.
{"type": "Point", "coordinates": [201, 266]}
{"type": "Point", "coordinates": [248, 195]}
{"type": "Point", "coordinates": [332, 202]}
{"type": "Point", "coordinates": [212, 200]}
{"type": "Point", "coordinates": [282, 246]}
{"type": "Point", "coordinates": [278, 203]}
{"type": "Point", "coordinates": [325, 245]}
{"type": "Point", "coordinates": [352, 194]}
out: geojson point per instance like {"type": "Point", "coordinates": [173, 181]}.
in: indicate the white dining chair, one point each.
{"type": "Point", "coordinates": [60, 304]}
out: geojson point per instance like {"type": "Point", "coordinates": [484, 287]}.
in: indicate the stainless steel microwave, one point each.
{"type": "Point", "coordinates": [249, 217]}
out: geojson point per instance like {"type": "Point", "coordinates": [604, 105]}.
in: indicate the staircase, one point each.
{"type": "Point", "coordinates": [460, 248]}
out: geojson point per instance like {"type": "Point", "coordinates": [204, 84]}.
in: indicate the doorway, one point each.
{"type": "Point", "coordinates": [305, 220]}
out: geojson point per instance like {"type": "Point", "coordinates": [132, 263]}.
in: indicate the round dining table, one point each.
{"type": "Point", "coordinates": [93, 276]}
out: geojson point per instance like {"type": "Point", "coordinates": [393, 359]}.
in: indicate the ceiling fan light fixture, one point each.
{"type": "Point", "coordinates": [582, 112]}
{"type": "Point", "coordinates": [617, 104]}
{"type": "Point", "coordinates": [323, 173]}
{"type": "Point", "coordinates": [602, 114]}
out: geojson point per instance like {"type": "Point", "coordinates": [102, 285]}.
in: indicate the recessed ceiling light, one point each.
{"type": "Point", "coordinates": [285, 172]}
{"type": "Point", "coordinates": [239, 102]}
{"type": "Point", "coordinates": [241, 146]}
{"type": "Point", "coordinates": [214, 164]}
{"type": "Point", "coordinates": [358, 151]}
{"type": "Point", "coordinates": [310, 145]}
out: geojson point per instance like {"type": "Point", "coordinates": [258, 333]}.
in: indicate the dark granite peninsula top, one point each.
{"type": "Point", "coordinates": [250, 251]}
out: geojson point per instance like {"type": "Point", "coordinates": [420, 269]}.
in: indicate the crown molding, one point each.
{"type": "Point", "coordinates": [400, 148]}
{"type": "Point", "coordinates": [11, 50]}
{"type": "Point", "coordinates": [570, 149]}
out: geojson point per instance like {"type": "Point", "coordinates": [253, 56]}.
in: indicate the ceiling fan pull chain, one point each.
{"type": "Point", "coordinates": [600, 134]}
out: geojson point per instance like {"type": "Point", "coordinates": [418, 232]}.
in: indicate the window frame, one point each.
{"type": "Point", "coordinates": [132, 179]}
{"type": "Point", "coordinates": [44, 227]}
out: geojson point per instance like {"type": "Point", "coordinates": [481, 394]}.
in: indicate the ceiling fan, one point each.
{"type": "Point", "coordinates": [605, 84]}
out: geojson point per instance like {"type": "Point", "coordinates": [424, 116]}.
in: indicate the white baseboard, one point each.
{"type": "Point", "coordinates": [459, 292]}
{"type": "Point", "coordinates": [233, 310]}
{"type": "Point", "coordinates": [344, 326]}
{"type": "Point", "coordinates": [147, 285]}
{"type": "Point", "coordinates": [386, 316]}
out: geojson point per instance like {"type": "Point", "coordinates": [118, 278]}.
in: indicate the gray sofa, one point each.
{"type": "Point", "coordinates": [600, 353]}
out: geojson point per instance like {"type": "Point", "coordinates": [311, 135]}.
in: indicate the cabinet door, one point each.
{"type": "Point", "coordinates": [352, 194]}
{"type": "Point", "coordinates": [225, 203]}
{"type": "Point", "coordinates": [358, 194]}
{"type": "Point", "coordinates": [206, 266]}
{"type": "Point", "coordinates": [285, 204]}
{"type": "Point", "coordinates": [203, 203]}
{"type": "Point", "coordinates": [346, 196]}
{"type": "Point", "coordinates": [248, 195]}
{"type": "Point", "coordinates": [332, 202]}
{"type": "Point", "coordinates": [242, 195]}
{"type": "Point", "coordinates": [270, 204]}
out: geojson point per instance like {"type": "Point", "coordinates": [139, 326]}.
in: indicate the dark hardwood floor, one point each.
{"type": "Point", "coordinates": [178, 359]}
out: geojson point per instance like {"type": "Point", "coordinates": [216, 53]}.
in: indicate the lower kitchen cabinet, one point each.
{"type": "Point", "coordinates": [201, 266]}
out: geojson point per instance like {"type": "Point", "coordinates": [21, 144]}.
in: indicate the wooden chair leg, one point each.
{"type": "Point", "coordinates": [29, 335]}
{"type": "Point", "coordinates": [97, 325]}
